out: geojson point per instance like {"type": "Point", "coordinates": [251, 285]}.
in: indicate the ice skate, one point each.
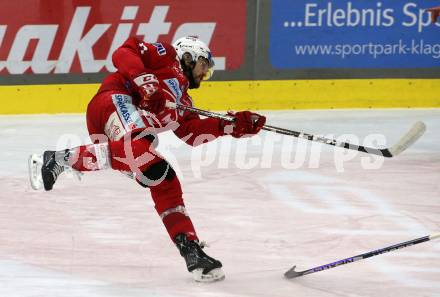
{"type": "Point", "coordinates": [203, 267]}
{"type": "Point", "coordinates": [45, 169]}
{"type": "Point", "coordinates": [50, 170]}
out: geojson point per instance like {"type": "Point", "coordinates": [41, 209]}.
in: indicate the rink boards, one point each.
{"type": "Point", "coordinates": [237, 95]}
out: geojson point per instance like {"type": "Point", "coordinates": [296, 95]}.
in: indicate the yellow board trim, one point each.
{"type": "Point", "coordinates": [35, 99]}
{"type": "Point", "coordinates": [238, 95]}
{"type": "Point", "coordinates": [319, 94]}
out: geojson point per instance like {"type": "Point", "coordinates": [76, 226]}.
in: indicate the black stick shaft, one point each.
{"type": "Point", "coordinates": [311, 137]}
{"type": "Point", "coordinates": [291, 273]}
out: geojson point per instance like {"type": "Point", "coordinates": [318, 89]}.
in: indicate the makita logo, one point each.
{"type": "Point", "coordinates": [85, 42]}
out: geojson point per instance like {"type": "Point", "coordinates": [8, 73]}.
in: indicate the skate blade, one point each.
{"type": "Point", "coordinates": [35, 163]}
{"type": "Point", "coordinates": [214, 275]}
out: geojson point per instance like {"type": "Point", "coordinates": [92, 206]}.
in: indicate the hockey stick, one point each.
{"type": "Point", "coordinates": [406, 141]}
{"type": "Point", "coordinates": [291, 273]}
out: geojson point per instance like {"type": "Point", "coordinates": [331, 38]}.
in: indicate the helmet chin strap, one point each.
{"type": "Point", "coordinates": [189, 74]}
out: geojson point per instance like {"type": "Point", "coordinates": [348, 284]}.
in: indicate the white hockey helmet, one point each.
{"type": "Point", "coordinates": [196, 48]}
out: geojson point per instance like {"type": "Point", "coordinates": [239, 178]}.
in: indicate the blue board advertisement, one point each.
{"type": "Point", "coordinates": [353, 34]}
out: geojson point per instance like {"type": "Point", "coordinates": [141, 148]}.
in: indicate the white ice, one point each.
{"type": "Point", "coordinates": [263, 204]}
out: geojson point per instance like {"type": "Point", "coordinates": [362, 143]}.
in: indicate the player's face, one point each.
{"type": "Point", "coordinates": [201, 71]}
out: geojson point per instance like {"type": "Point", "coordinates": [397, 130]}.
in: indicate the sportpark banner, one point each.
{"type": "Point", "coordinates": [58, 37]}
{"type": "Point", "coordinates": [277, 54]}
{"type": "Point", "coordinates": [353, 34]}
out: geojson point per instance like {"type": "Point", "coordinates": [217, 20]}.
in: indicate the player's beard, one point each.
{"type": "Point", "coordinates": [193, 84]}
{"type": "Point", "coordinates": [188, 71]}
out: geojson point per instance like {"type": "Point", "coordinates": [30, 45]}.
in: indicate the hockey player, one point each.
{"type": "Point", "coordinates": [124, 117]}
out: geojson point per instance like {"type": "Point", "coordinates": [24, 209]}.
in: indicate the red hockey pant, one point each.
{"type": "Point", "coordinates": [127, 144]}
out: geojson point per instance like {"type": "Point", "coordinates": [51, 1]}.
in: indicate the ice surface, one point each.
{"type": "Point", "coordinates": [263, 204]}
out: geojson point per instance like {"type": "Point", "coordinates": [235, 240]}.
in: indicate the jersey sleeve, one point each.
{"type": "Point", "coordinates": [194, 130]}
{"type": "Point", "coordinates": [135, 57]}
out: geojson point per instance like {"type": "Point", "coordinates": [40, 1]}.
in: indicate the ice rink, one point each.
{"type": "Point", "coordinates": [262, 204]}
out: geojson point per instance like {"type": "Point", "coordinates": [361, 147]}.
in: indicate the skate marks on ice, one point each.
{"type": "Point", "coordinates": [255, 224]}
{"type": "Point", "coordinates": [19, 279]}
{"type": "Point", "coordinates": [358, 213]}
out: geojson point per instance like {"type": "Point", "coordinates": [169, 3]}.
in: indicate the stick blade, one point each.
{"type": "Point", "coordinates": [417, 130]}
{"type": "Point", "coordinates": [434, 236]}
{"type": "Point", "coordinates": [291, 273]}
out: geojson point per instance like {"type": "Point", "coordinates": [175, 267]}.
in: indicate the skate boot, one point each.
{"type": "Point", "coordinates": [203, 267]}
{"type": "Point", "coordinates": [52, 167]}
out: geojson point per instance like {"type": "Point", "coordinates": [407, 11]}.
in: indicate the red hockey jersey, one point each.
{"type": "Point", "coordinates": [135, 57]}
